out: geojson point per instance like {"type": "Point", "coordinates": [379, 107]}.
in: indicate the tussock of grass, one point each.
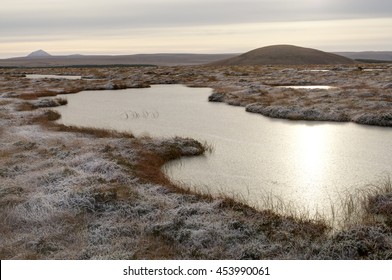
{"type": "Point", "coordinates": [25, 106]}
{"type": "Point", "coordinates": [10, 194]}
{"type": "Point", "coordinates": [43, 103]}
{"type": "Point", "coordinates": [62, 101]}
{"type": "Point", "coordinates": [72, 90]}
{"type": "Point", "coordinates": [358, 242]}
{"type": "Point", "coordinates": [53, 102]}
{"type": "Point", "coordinates": [378, 200]}
{"type": "Point", "coordinates": [380, 204]}
{"type": "Point", "coordinates": [5, 102]}
{"type": "Point", "coordinates": [36, 95]}
{"type": "Point", "coordinates": [47, 117]}
{"type": "Point", "coordinates": [96, 132]}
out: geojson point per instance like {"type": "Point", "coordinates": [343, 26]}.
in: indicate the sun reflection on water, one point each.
{"type": "Point", "coordinates": [312, 144]}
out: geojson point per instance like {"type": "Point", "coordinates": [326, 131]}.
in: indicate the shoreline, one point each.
{"type": "Point", "coordinates": [77, 193]}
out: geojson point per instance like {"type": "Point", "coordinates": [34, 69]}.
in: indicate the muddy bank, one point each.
{"type": "Point", "coordinates": [74, 193]}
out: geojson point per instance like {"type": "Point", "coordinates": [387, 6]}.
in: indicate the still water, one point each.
{"type": "Point", "coordinates": [65, 77]}
{"type": "Point", "coordinates": [308, 87]}
{"type": "Point", "coordinates": [308, 164]}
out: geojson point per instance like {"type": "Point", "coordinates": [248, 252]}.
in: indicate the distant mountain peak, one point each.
{"type": "Point", "coordinates": [39, 53]}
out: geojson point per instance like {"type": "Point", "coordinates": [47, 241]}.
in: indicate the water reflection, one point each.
{"type": "Point", "coordinates": [311, 143]}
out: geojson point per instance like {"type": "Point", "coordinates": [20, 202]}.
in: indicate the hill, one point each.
{"type": "Point", "coordinates": [284, 55]}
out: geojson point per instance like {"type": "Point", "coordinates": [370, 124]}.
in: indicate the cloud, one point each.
{"type": "Point", "coordinates": [352, 34]}
{"type": "Point", "coordinates": [28, 17]}
{"type": "Point", "coordinates": [139, 22]}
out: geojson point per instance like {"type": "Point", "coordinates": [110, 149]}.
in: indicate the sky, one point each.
{"type": "Point", "coordinates": [191, 26]}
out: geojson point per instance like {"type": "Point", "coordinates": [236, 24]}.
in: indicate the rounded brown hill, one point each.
{"type": "Point", "coordinates": [284, 55]}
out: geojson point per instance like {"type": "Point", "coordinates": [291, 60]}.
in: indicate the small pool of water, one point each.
{"type": "Point", "coordinates": [317, 70]}
{"type": "Point", "coordinates": [373, 69]}
{"type": "Point", "coordinates": [308, 87]}
{"type": "Point", "coordinates": [38, 76]}
{"type": "Point", "coordinates": [255, 159]}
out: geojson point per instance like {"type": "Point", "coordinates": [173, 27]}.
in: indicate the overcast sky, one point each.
{"type": "Point", "coordinates": [192, 26]}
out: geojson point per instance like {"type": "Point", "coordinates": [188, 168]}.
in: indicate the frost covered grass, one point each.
{"type": "Point", "coordinates": [36, 95]}
{"type": "Point", "coordinates": [357, 96]}
{"type": "Point", "coordinates": [42, 103]}
{"type": "Point", "coordinates": [96, 132]}
{"type": "Point", "coordinates": [85, 193]}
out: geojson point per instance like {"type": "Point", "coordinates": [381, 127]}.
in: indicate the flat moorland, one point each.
{"type": "Point", "coordinates": [87, 193]}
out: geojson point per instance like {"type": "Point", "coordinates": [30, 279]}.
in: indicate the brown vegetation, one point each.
{"type": "Point", "coordinates": [36, 95]}
{"type": "Point", "coordinates": [25, 106]}
{"type": "Point", "coordinates": [96, 132]}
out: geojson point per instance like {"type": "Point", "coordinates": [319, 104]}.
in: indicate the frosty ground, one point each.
{"type": "Point", "coordinates": [82, 193]}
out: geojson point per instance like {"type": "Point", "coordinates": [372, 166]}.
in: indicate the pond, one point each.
{"type": "Point", "coordinates": [309, 165]}
{"type": "Point", "coordinates": [307, 87]}
{"type": "Point", "coordinates": [39, 76]}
